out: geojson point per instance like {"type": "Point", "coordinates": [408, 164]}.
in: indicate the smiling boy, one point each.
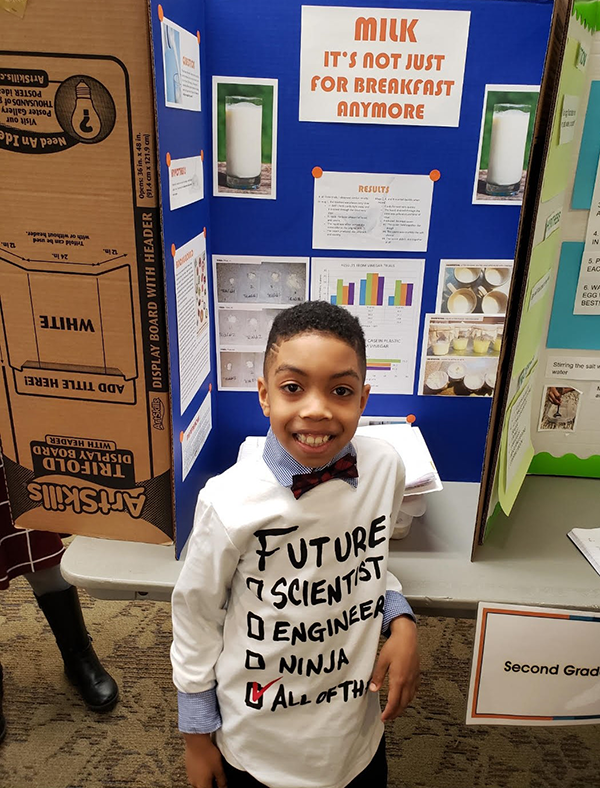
{"type": "Point", "coordinates": [285, 591]}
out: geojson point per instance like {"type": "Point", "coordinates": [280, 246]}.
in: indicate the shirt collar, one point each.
{"type": "Point", "coordinates": [284, 466]}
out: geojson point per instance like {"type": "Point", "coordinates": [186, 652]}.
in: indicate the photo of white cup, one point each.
{"type": "Point", "coordinates": [494, 303]}
{"type": "Point", "coordinates": [490, 380]}
{"type": "Point", "coordinates": [473, 382]}
{"type": "Point", "coordinates": [437, 381]}
{"type": "Point", "coordinates": [510, 124]}
{"type": "Point", "coordinates": [496, 277]}
{"type": "Point", "coordinates": [456, 371]}
{"type": "Point", "coordinates": [461, 301]}
{"type": "Point", "coordinates": [466, 275]}
{"type": "Point", "coordinates": [440, 347]}
{"type": "Point", "coordinates": [243, 139]}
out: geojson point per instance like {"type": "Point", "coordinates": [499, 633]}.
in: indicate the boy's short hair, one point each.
{"type": "Point", "coordinates": [318, 317]}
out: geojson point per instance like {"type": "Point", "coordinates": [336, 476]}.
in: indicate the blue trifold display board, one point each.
{"type": "Point", "coordinates": [261, 39]}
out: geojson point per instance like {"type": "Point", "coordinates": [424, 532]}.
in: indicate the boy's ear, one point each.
{"type": "Point", "coordinates": [364, 397]}
{"type": "Point", "coordinates": [263, 397]}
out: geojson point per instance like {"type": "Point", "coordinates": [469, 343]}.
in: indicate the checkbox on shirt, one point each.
{"type": "Point", "coordinates": [254, 661]}
{"type": "Point", "coordinates": [256, 627]}
{"type": "Point", "coordinates": [252, 690]}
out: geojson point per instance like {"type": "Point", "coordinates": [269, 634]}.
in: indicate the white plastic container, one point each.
{"type": "Point", "coordinates": [243, 131]}
{"type": "Point", "coordinates": [510, 124]}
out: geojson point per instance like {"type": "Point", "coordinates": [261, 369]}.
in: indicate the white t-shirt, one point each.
{"type": "Point", "coordinates": [279, 603]}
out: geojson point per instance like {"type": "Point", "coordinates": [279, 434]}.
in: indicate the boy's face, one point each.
{"type": "Point", "coordinates": [314, 395]}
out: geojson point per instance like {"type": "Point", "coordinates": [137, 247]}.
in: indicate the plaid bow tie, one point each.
{"type": "Point", "coordinates": [344, 468]}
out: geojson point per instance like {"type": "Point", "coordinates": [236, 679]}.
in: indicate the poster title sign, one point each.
{"type": "Point", "coordinates": [375, 65]}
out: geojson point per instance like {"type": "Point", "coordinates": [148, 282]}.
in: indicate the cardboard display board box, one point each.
{"type": "Point", "coordinates": [105, 432]}
{"type": "Point", "coordinates": [84, 415]}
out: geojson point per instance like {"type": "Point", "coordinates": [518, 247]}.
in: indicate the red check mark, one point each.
{"type": "Point", "coordinates": [258, 693]}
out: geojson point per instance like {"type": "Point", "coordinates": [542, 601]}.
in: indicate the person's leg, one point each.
{"type": "Point", "coordinates": [375, 774]}
{"type": "Point", "coordinates": [47, 581]}
{"type": "Point", "coordinates": [59, 602]}
{"type": "Point", "coordinates": [2, 717]}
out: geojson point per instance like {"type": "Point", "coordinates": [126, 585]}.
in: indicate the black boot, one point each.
{"type": "Point", "coordinates": [2, 718]}
{"type": "Point", "coordinates": [97, 688]}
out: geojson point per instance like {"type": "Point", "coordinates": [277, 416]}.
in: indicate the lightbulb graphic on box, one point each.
{"type": "Point", "coordinates": [385, 295]}
{"type": "Point", "coordinates": [85, 119]}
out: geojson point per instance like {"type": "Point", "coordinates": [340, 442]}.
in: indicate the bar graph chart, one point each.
{"type": "Point", "coordinates": [371, 291]}
{"type": "Point", "coordinates": [385, 295]}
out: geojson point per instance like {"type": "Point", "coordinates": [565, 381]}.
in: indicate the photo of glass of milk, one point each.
{"type": "Point", "coordinates": [243, 139]}
{"type": "Point", "coordinates": [510, 124]}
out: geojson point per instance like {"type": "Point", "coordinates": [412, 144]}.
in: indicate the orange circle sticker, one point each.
{"type": "Point", "coordinates": [168, 159]}
{"type": "Point", "coordinates": [317, 172]}
{"type": "Point", "coordinates": [204, 231]}
{"type": "Point", "coordinates": [161, 13]}
{"type": "Point", "coordinates": [173, 250]}
{"type": "Point", "coordinates": [198, 35]}
{"type": "Point", "coordinates": [435, 175]}
{"type": "Point", "coordinates": [210, 386]}
{"type": "Point", "coordinates": [181, 437]}
{"type": "Point", "coordinates": [411, 418]}
{"type": "Point", "coordinates": [201, 155]}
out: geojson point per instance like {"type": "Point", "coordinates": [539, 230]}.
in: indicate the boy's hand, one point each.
{"type": "Point", "coordinates": [203, 761]}
{"type": "Point", "coordinates": [399, 658]}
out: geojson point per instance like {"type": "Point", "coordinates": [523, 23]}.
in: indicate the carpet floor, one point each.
{"type": "Point", "coordinates": [53, 742]}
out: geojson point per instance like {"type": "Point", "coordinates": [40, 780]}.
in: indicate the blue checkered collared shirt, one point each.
{"type": "Point", "coordinates": [285, 467]}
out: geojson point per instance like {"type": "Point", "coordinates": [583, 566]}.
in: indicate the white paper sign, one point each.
{"type": "Point", "coordinates": [181, 66]}
{"type": "Point", "coordinates": [552, 223]}
{"type": "Point", "coordinates": [186, 181]}
{"type": "Point", "coordinates": [385, 295]}
{"type": "Point", "coordinates": [249, 292]}
{"type": "Point", "coordinates": [539, 290]}
{"type": "Point", "coordinates": [194, 437]}
{"type": "Point", "coordinates": [573, 367]}
{"type": "Point", "coordinates": [568, 116]}
{"type": "Point", "coordinates": [371, 211]}
{"type": "Point", "coordinates": [519, 430]}
{"type": "Point", "coordinates": [191, 292]}
{"type": "Point", "coordinates": [535, 666]}
{"type": "Point", "coordinates": [587, 297]}
{"type": "Point", "coordinates": [592, 235]}
{"type": "Point", "coordinates": [382, 65]}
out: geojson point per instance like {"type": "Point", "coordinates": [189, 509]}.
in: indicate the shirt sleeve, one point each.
{"type": "Point", "coordinates": [199, 605]}
{"type": "Point", "coordinates": [395, 605]}
{"type": "Point", "coordinates": [198, 711]}
{"type": "Point", "coordinates": [395, 602]}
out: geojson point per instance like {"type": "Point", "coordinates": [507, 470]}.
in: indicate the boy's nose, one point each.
{"type": "Point", "coordinates": [315, 407]}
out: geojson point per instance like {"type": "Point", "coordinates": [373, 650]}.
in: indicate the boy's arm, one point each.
{"type": "Point", "coordinates": [199, 604]}
{"type": "Point", "coordinates": [395, 601]}
{"type": "Point", "coordinates": [203, 762]}
{"type": "Point", "coordinates": [399, 656]}
{"type": "Point", "coordinates": [399, 659]}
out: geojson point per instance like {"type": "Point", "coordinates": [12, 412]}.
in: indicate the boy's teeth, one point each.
{"type": "Point", "coordinates": [314, 440]}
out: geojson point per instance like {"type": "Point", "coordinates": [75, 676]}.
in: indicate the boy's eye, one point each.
{"type": "Point", "coordinates": [291, 388]}
{"type": "Point", "coordinates": [342, 391]}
